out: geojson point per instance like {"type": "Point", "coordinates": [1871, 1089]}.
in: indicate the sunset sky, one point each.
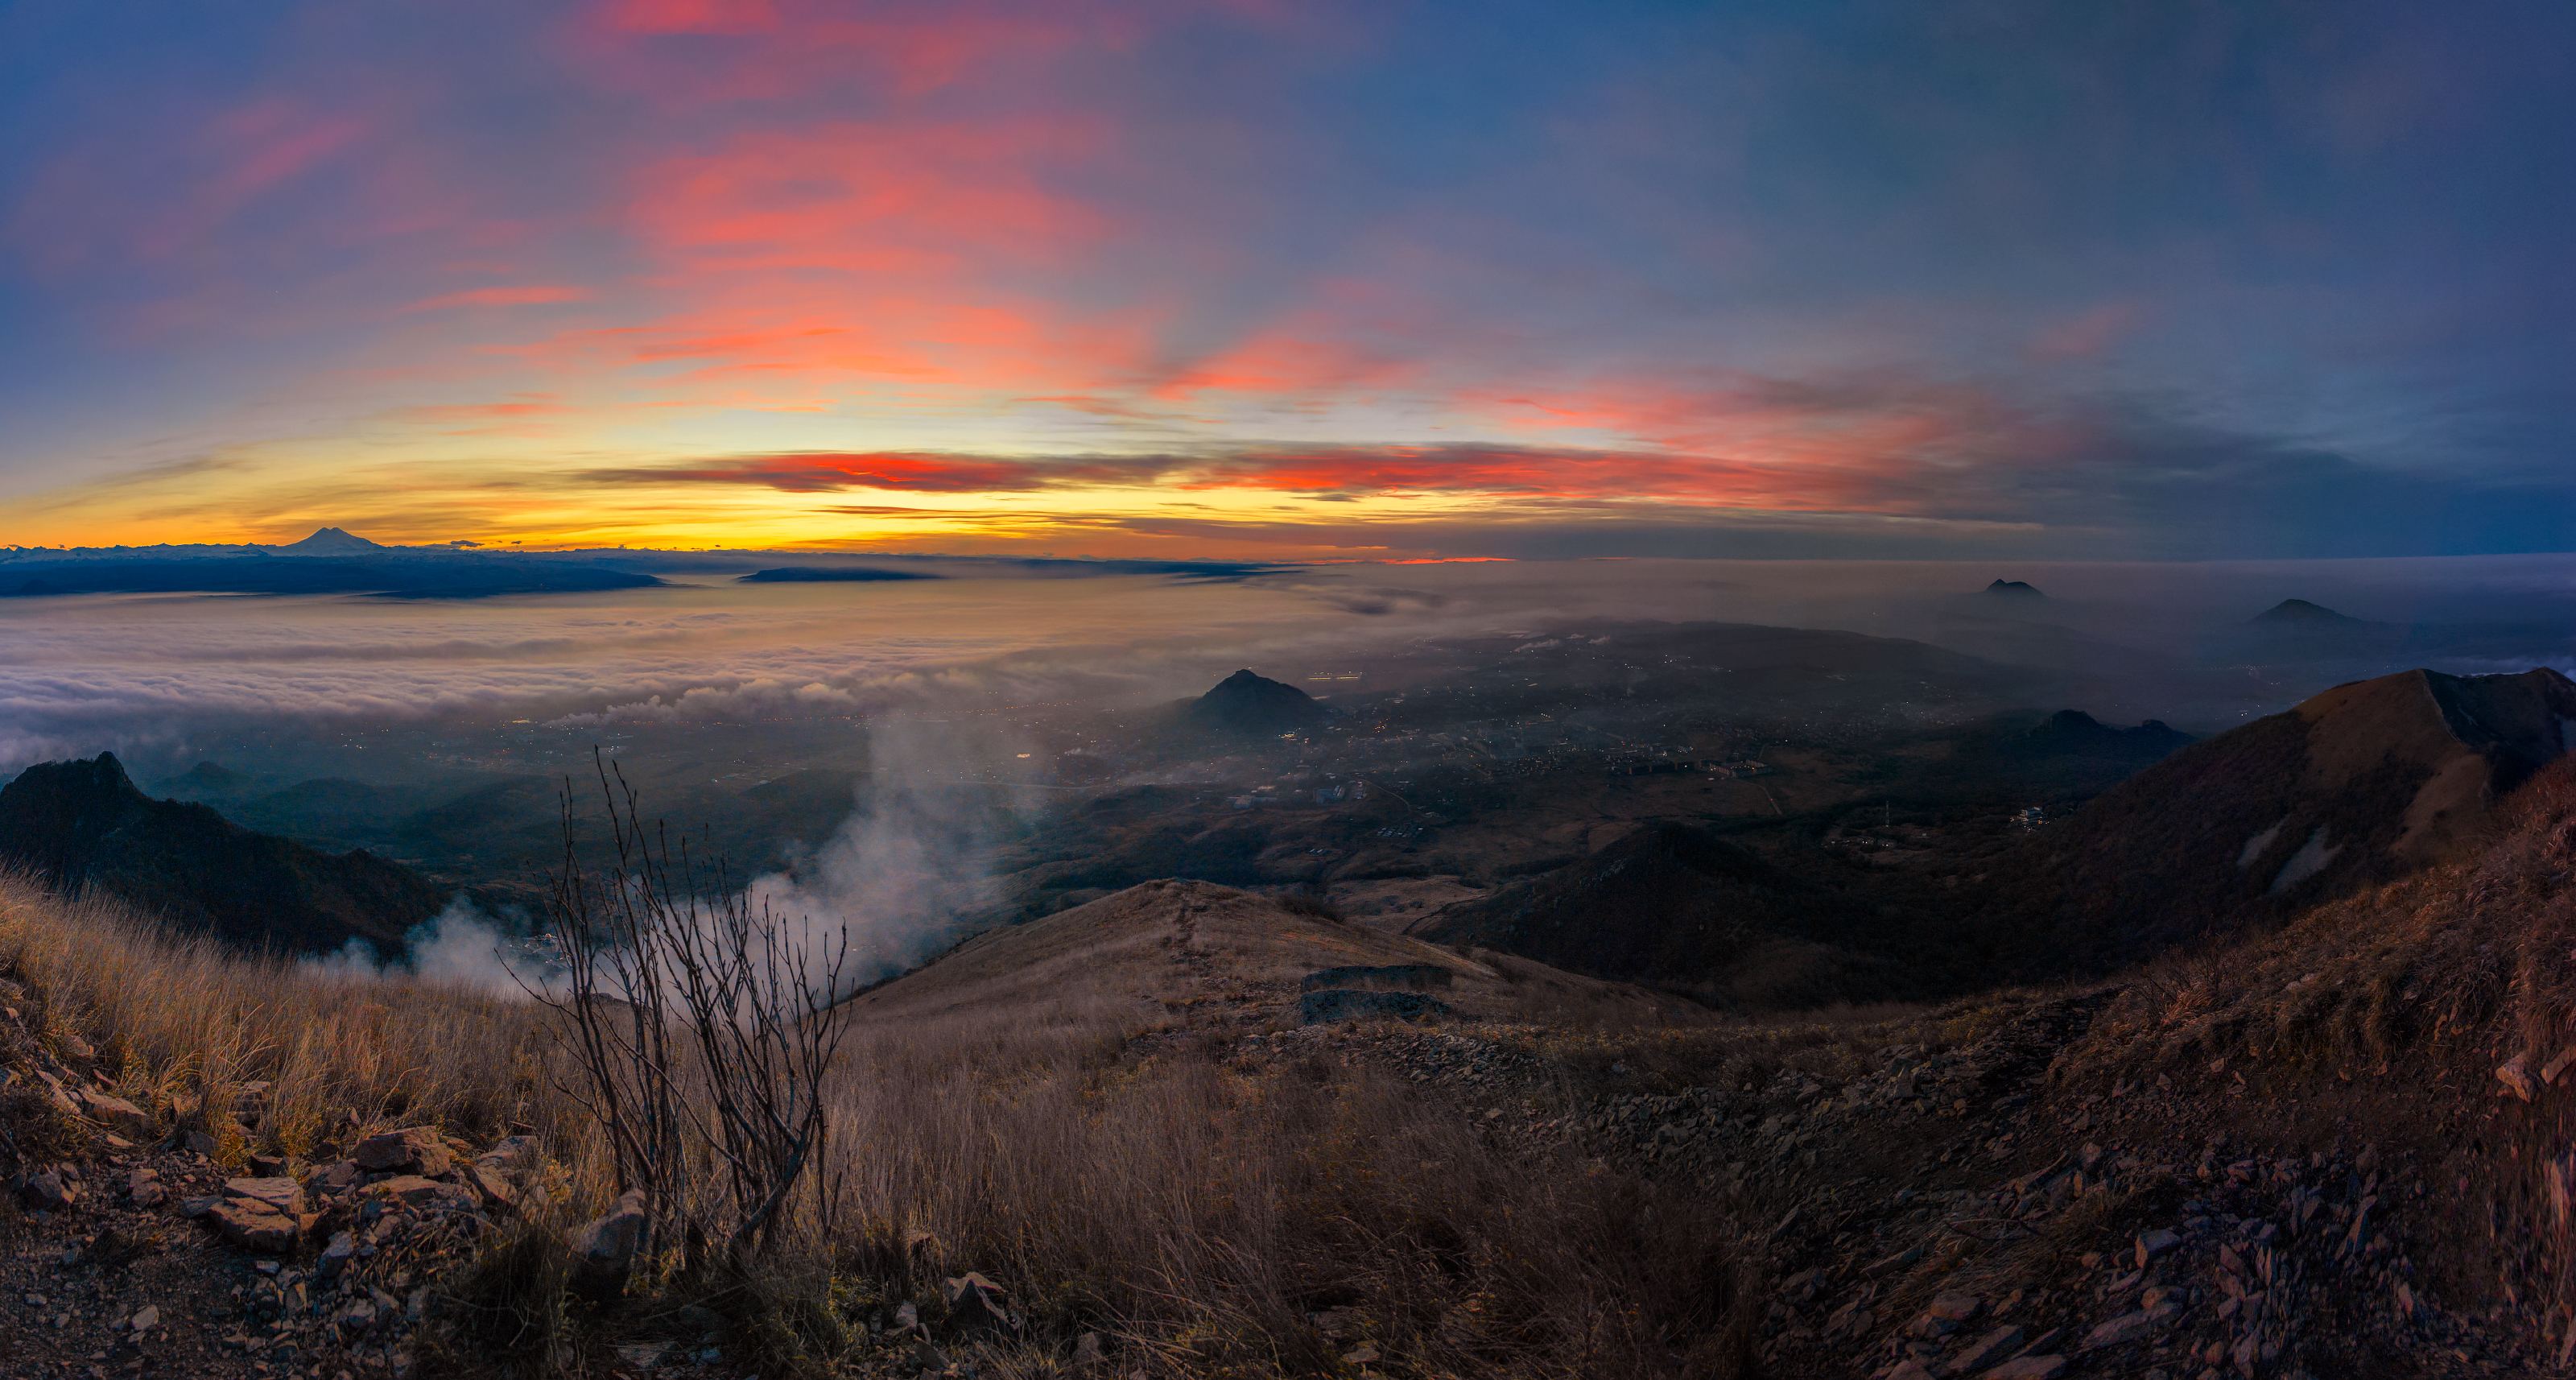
{"type": "Point", "coordinates": [1294, 278]}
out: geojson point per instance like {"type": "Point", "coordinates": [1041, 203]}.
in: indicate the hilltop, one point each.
{"type": "Point", "coordinates": [1519, 1171]}
{"type": "Point", "coordinates": [1180, 1085]}
{"type": "Point", "coordinates": [1245, 703]}
{"type": "Point", "coordinates": [2299, 613]}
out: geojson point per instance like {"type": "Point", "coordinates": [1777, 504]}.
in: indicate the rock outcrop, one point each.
{"type": "Point", "coordinates": [412, 1150]}
{"type": "Point", "coordinates": [604, 1250]}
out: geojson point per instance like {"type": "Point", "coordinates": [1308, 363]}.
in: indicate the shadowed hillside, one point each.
{"type": "Point", "coordinates": [84, 827]}
{"type": "Point", "coordinates": [2356, 786]}
{"type": "Point", "coordinates": [1675, 904]}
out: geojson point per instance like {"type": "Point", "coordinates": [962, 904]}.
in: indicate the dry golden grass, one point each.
{"type": "Point", "coordinates": [1202, 1214]}
{"type": "Point", "coordinates": [1094, 1153]}
{"type": "Point", "coordinates": [1053, 1110]}
{"type": "Point", "coordinates": [178, 1021]}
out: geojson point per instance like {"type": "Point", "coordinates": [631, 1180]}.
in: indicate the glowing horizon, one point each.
{"type": "Point", "coordinates": [1312, 282]}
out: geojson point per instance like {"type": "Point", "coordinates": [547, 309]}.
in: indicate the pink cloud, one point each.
{"type": "Point", "coordinates": [689, 16]}
{"type": "Point", "coordinates": [2090, 334]}
{"type": "Point", "coordinates": [502, 297]}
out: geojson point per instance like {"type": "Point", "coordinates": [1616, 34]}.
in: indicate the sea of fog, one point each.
{"type": "Point", "coordinates": [923, 674]}
{"type": "Point", "coordinates": [150, 675]}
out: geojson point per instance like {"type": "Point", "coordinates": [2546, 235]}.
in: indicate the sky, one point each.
{"type": "Point", "coordinates": [1294, 279]}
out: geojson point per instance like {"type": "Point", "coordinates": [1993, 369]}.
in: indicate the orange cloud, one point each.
{"type": "Point", "coordinates": [798, 472]}
{"type": "Point", "coordinates": [1866, 479]}
{"type": "Point", "coordinates": [848, 254]}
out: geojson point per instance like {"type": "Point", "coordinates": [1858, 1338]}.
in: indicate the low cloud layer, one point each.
{"type": "Point", "coordinates": [169, 676]}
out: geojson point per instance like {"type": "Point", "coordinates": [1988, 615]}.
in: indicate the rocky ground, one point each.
{"type": "Point", "coordinates": [1940, 1193]}
{"type": "Point", "coordinates": [135, 1259]}
{"type": "Point", "coordinates": [1961, 1212]}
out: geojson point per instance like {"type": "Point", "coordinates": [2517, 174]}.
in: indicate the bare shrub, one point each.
{"type": "Point", "coordinates": [703, 1027]}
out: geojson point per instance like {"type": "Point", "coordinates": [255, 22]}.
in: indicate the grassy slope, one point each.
{"type": "Point", "coordinates": [1115, 1162]}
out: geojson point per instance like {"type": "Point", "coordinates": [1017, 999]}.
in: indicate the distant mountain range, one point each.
{"type": "Point", "coordinates": [330, 561]}
{"type": "Point", "coordinates": [82, 826]}
{"type": "Point", "coordinates": [2355, 787]}
{"type": "Point", "coordinates": [2296, 631]}
{"type": "Point", "coordinates": [335, 561]}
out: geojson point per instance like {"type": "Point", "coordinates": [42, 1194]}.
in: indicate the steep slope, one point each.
{"type": "Point", "coordinates": [83, 826]}
{"type": "Point", "coordinates": [1672, 903]}
{"type": "Point", "coordinates": [2356, 786]}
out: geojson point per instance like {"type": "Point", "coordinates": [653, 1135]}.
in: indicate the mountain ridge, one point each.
{"type": "Point", "coordinates": [83, 826]}
{"type": "Point", "coordinates": [2354, 786]}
